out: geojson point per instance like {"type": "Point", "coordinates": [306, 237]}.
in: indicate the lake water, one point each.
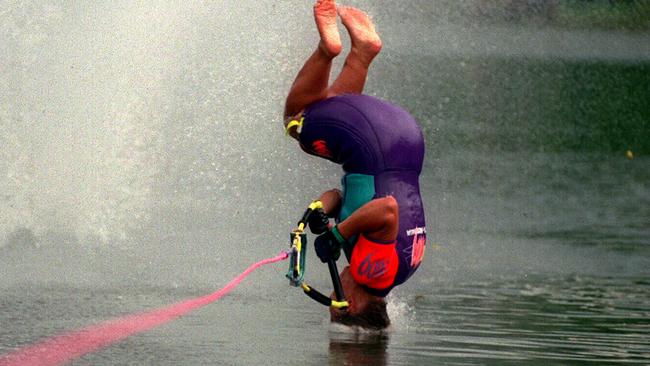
{"type": "Point", "coordinates": [143, 163]}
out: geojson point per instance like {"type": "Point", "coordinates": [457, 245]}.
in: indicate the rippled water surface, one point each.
{"type": "Point", "coordinates": [534, 321]}
{"type": "Point", "coordinates": [540, 321]}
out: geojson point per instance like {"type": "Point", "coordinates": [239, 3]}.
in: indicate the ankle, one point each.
{"type": "Point", "coordinates": [328, 52]}
{"type": "Point", "coordinates": [360, 60]}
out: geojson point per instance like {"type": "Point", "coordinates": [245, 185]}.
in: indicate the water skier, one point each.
{"type": "Point", "coordinates": [379, 213]}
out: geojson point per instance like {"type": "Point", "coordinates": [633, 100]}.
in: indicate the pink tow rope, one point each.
{"type": "Point", "coordinates": [60, 349]}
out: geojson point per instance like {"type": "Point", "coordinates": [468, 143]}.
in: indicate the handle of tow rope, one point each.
{"type": "Point", "coordinates": [315, 205]}
{"type": "Point", "coordinates": [336, 280]}
{"type": "Point", "coordinates": [315, 295]}
{"type": "Point", "coordinates": [340, 301]}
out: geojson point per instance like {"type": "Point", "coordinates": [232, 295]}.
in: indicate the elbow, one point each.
{"type": "Point", "coordinates": [391, 209]}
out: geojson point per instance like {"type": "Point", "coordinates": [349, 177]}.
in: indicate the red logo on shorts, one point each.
{"type": "Point", "coordinates": [372, 269]}
{"type": "Point", "coordinates": [320, 147]}
{"type": "Point", "coordinates": [372, 264]}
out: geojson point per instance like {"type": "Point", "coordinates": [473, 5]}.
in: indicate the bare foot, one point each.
{"type": "Point", "coordinates": [325, 15]}
{"type": "Point", "coordinates": [365, 40]}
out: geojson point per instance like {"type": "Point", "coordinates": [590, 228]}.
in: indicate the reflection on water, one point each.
{"type": "Point", "coordinates": [350, 347]}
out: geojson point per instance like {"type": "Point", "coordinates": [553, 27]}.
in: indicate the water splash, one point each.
{"type": "Point", "coordinates": [402, 315]}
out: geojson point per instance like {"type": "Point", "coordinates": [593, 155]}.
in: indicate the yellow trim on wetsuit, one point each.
{"type": "Point", "coordinates": [292, 124]}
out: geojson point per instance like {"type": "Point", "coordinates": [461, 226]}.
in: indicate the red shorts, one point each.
{"type": "Point", "coordinates": [374, 264]}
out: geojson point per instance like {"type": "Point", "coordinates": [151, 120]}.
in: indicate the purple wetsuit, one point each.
{"type": "Point", "coordinates": [381, 149]}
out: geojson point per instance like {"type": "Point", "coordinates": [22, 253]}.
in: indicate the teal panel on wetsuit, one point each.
{"type": "Point", "coordinates": [358, 189]}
